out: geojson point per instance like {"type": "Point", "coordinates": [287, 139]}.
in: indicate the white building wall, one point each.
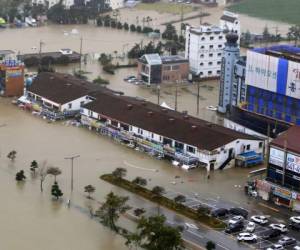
{"type": "Point", "coordinates": [75, 104]}
{"type": "Point", "coordinates": [116, 4]}
{"type": "Point", "coordinates": [204, 50]}
{"type": "Point", "coordinates": [231, 26]}
{"type": "Point", "coordinates": [66, 3]}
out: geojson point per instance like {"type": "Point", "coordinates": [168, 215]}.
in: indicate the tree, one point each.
{"type": "Point", "coordinates": [158, 190]}
{"type": "Point", "coordinates": [111, 210]}
{"type": "Point", "coordinates": [20, 176]}
{"type": "Point", "coordinates": [140, 181]}
{"type": "Point", "coordinates": [43, 174]}
{"type": "Point", "coordinates": [294, 34]}
{"type": "Point", "coordinates": [33, 166]}
{"type": "Point", "coordinates": [119, 25]}
{"type": "Point", "coordinates": [266, 34]}
{"type": "Point", "coordinates": [201, 210]}
{"type": "Point", "coordinates": [139, 29]}
{"type": "Point", "coordinates": [180, 199]}
{"type": "Point", "coordinates": [132, 28]}
{"type": "Point", "coordinates": [139, 211]}
{"type": "Point", "coordinates": [126, 26]}
{"type": "Point", "coordinates": [55, 191]}
{"type": "Point", "coordinates": [170, 32]}
{"type": "Point", "coordinates": [12, 155]}
{"type": "Point", "coordinates": [153, 234]}
{"type": "Point", "coordinates": [210, 245]}
{"type": "Point", "coordinates": [104, 59]}
{"type": "Point", "coordinates": [101, 81]}
{"type": "Point", "coordinates": [119, 173]}
{"type": "Point", "coordinates": [55, 171]}
{"type": "Point", "coordinates": [89, 189]}
{"type": "Point", "coordinates": [113, 23]}
{"type": "Point", "coordinates": [247, 38]}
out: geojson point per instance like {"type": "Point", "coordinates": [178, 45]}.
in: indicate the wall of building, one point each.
{"type": "Point", "coordinates": [12, 80]}
{"type": "Point", "coordinates": [204, 50]}
{"type": "Point", "coordinates": [75, 104]}
{"type": "Point", "coordinates": [174, 72]}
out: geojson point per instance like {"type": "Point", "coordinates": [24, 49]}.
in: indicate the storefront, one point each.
{"type": "Point", "coordinates": [263, 189]}
{"type": "Point", "coordinates": [281, 196]}
{"type": "Point", "coordinates": [296, 201]}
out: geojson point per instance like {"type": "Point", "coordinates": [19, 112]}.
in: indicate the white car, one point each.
{"type": "Point", "coordinates": [276, 247]}
{"type": "Point", "coordinates": [260, 219]}
{"type": "Point", "coordinates": [192, 226]}
{"type": "Point", "coordinates": [295, 219]}
{"type": "Point", "coordinates": [296, 248]}
{"type": "Point", "coordinates": [212, 108]}
{"type": "Point", "coordinates": [247, 237]}
{"type": "Point", "coordinates": [250, 228]}
{"type": "Point", "coordinates": [236, 219]}
{"type": "Point", "coordinates": [281, 227]}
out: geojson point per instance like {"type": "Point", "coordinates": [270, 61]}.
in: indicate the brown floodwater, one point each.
{"type": "Point", "coordinates": [31, 219]}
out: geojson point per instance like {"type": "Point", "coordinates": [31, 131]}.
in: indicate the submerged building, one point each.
{"type": "Point", "coordinates": [282, 184]}
{"type": "Point", "coordinates": [11, 74]}
{"type": "Point", "coordinates": [159, 131]}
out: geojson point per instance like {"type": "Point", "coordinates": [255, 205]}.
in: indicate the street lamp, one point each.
{"type": "Point", "coordinates": [72, 160]}
{"type": "Point", "coordinates": [158, 93]}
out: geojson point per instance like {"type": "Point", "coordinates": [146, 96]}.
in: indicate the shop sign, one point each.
{"type": "Point", "coordinates": [263, 185]}
{"type": "Point", "coordinates": [14, 72]}
{"type": "Point", "coordinates": [294, 195]}
{"type": "Point", "coordinates": [284, 193]}
{"type": "Point", "coordinates": [276, 157]}
{"type": "Point", "coordinates": [293, 163]}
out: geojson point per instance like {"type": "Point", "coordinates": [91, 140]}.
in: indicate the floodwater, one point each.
{"type": "Point", "coordinates": [31, 219]}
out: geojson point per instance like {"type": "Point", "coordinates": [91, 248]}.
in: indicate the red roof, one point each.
{"type": "Point", "coordinates": [292, 138]}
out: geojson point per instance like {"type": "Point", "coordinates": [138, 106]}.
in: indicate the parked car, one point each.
{"type": "Point", "coordinates": [236, 219]}
{"type": "Point", "coordinates": [129, 77]}
{"type": "Point", "coordinates": [296, 248]}
{"type": "Point", "coordinates": [281, 227]}
{"type": "Point", "coordinates": [287, 241]}
{"type": "Point", "coordinates": [239, 211]}
{"type": "Point", "coordinates": [220, 212]}
{"type": "Point", "coordinates": [295, 226]}
{"type": "Point", "coordinates": [276, 247]}
{"type": "Point", "coordinates": [234, 228]}
{"type": "Point", "coordinates": [260, 219]}
{"type": "Point", "coordinates": [250, 228]}
{"type": "Point", "coordinates": [270, 234]}
{"type": "Point", "coordinates": [247, 237]}
{"type": "Point", "coordinates": [295, 219]}
{"type": "Point", "coordinates": [192, 226]}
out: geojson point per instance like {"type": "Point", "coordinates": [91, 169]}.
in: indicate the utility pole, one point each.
{"type": "Point", "coordinates": [200, 15]}
{"type": "Point", "coordinates": [80, 51]}
{"type": "Point", "coordinates": [72, 170]}
{"type": "Point", "coordinates": [198, 95]}
{"type": "Point", "coordinates": [158, 94]}
{"type": "Point", "coordinates": [284, 162]}
{"type": "Point", "coordinates": [181, 19]}
{"type": "Point", "coordinates": [40, 52]}
{"type": "Point", "coordinates": [176, 94]}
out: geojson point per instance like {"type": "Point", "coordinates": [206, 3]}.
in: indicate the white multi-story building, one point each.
{"type": "Point", "coordinates": [204, 50]}
{"type": "Point", "coordinates": [114, 4]}
{"type": "Point", "coordinates": [230, 21]}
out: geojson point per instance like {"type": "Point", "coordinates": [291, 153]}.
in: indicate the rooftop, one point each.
{"type": "Point", "coordinates": [292, 138]}
{"type": "Point", "coordinates": [62, 88]}
{"type": "Point", "coordinates": [173, 59]}
{"type": "Point", "coordinates": [288, 52]}
{"type": "Point", "coordinates": [171, 124]}
{"type": "Point", "coordinates": [206, 29]}
{"type": "Point", "coordinates": [156, 59]}
{"type": "Point", "coordinates": [6, 52]}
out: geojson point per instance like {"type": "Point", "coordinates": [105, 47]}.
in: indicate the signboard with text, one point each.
{"type": "Point", "coordinates": [276, 157]}
{"type": "Point", "coordinates": [293, 163]}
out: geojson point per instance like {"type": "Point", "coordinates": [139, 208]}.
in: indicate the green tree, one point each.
{"type": "Point", "coordinates": [266, 34]}
{"type": "Point", "coordinates": [119, 173]}
{"type": "Point", "coordinates": [153, 234]}
{"type": "Point", "coordinates": [55, 171]}
{"type": "Point", "coordinates": [113, 23]}
{"type": "Point", "coordinates": [90, 190]}
{"type": "Point", "coordinates": [42, 174]}
{"type": "Point", "coordinates": [139, 29]}
{"type": "Point", "coordinates": [132, 28]}
{"type": "Point", "coordinates": [33, 166]}
{"type": "Point", "coordinates": [170, 32]}
{"type": "Point", "coordinates": [99, 80]}
{"type": "Point", "coordinates": [210, 245]}
{"type": "Point", "coordinates": [158, 190]}
{"type": "Point", "coordinates": [126, 26]}
{"type": "Point", "coordinates": [20, 176]}
{"type": "Point", "coordinates": [12, 155]}
{"type": "Point", "coordinates": [247, 38]}
{"type": "Point", "coordinates": [180, 199]}
{"type": "Point", "coordinates": [111, 210]}
{"type": "Point", "coordinates": [140, 181]}
{"type": "Point", "coordinates": [119, 25]}
{"type": "Point", "coordinates": [55, 191]}
{"type": "Point", "coordinates": [294, 34]}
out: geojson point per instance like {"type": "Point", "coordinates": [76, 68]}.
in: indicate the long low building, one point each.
{"type": "Point", "coordinates": [159, 131]}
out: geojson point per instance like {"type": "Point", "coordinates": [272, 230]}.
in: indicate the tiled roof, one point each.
{"type": "Point", "coordinates": [292, 138]}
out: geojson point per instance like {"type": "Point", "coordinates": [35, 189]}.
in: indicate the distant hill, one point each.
{"type": "Point", "coordinates": [287, 11]}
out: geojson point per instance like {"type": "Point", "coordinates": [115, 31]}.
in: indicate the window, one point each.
{"type": "Point", "coordinates": [219, 62]}
{"type": "Point", "coordinates": [211, 38]}
{"type": "Point", "coordinates": [167, 67]}
{"type": "Point", "coordinates": [81, 103]}
{"type": "Point", "coordinates": [201, 73]}
{"type": "Point", "coordinates": [260, 145]}
{"type": "Point", "coordinates": [203, 38]}
{"type": "Point", "coordinates": [202, 47]}
{"type": "Point", "coordinates": [211, 46]}
{"type": "Point", "coordinates": [190, 149]}
{"type": "Point", "coordinates": [219, 54]}
{"type": "Point", "coordinates": [201, 55]}
{"type": "Point", "coordinates": [220, 37]}
{"type": "Point", "coordinates": [209, 72]}
{"type": "Point", "coordinates": [152, 135]}
{"type": "Point", "coordinates": [211, 54]}
{"type": "Point", "coordinates": [220, 46]}
{"type": "Point", "coordinates": [201, 64]}
{"type": "Point", "coordinates": [210, 63]}
{"type": "Point", "coordinates": [175, 67]}
{"type": "Point", "coordinates": [218, 72]}
{"type": "Point", "coordinates": [248, 147]}
{"type": "Point", "coordinates": [70, 105]}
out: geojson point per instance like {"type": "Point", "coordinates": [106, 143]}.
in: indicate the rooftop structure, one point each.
{"type": "Point", "coordinates": [289, 139]}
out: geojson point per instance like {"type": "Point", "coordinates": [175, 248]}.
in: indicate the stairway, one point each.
{"type": "Point", "coordinates": [224, 164]}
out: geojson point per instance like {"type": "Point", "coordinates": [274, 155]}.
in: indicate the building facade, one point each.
{"type": "Point", "coordinates": [114, 4]}
{"type": "Point", "coordinates": [282, 184]}
{"type": "Point", "coordinates": [11, 74]}
{"type": "Point", "coordinates": [204, 50]}
{"type": "Point", "coordinates": [230, 21]}
{"type": "Point", "coordinates": [156, 69]}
